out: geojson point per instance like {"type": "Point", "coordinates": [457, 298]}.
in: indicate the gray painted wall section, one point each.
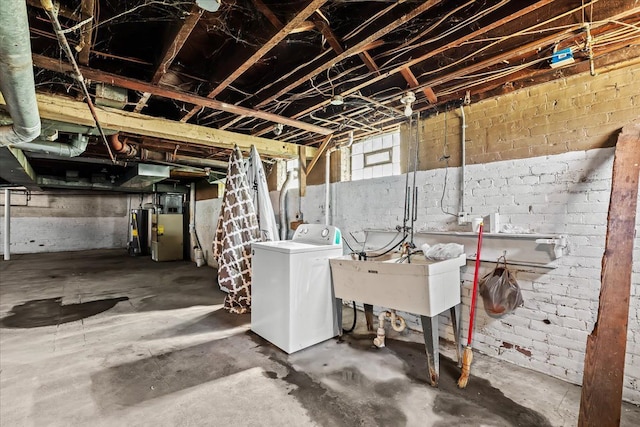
{"type": "Point", "coordinates": [207, 213]}
{"type": "Point", "coordinates": [60, 221]}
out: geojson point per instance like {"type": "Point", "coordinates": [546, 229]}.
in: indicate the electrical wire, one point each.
{"type": "Point", "coordinates": [445, 157]}
{"type": "Point", "coordinates": [353, 325]}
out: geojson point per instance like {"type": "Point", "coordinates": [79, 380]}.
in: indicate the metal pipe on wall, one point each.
{"type": "Point", "coordinates": [283, 206]}
{"type": "Point", "coordinates": [327, 182]}
{"type": "Point", "coordinates": [463, 132]}
{"type": "Point", "coordinates": [7, 224]}
{"type": "Point", "coordinates": [16, 75]}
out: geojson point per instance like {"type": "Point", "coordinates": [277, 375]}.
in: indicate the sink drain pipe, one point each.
{"type": "Point", "coordinates": [397, 323]}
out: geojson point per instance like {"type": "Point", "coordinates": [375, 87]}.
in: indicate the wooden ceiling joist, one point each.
{"type": "Point", "coordinates": [433, 52]}
{"type": "Point", "coordinates": [316, 157]}
{"type": "Point", "coordinates": [300, 17]}
{"type": "Point", "coordinates": [70, 111]}
{"type": "Point", "coordinates": [413, 83]}
{"type": "Point", "coordinates": [87, 8]}
{"type": "Point", "coordinates": [313, 68]}
{"type": "Point", "coordinates": [127, 83]}
{"type": "Point", "coordinates": [171, 51]}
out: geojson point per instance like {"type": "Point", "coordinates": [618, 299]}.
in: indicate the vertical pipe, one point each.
{"type": "Point", "coordinates": [327, 183]}
{"type": "Point", "coordinates": [7, 224]}
{"type": "Point", "coordinates": [192, 221]}
{"type": "Point", "coordinates": [284, 228]}
{"type": "Point", "coordinates": [463, 138]}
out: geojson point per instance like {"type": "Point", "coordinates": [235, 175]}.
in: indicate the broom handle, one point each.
{"type": "Point", "coordinates": [475, 285]}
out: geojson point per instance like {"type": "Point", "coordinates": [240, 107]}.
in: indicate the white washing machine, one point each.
{"type": "Point", "coordinates": [292, 303]}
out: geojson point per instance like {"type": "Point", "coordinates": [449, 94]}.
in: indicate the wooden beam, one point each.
{"type": "Point", "coordinates": [116, 80]}
{"type": "Point", "coordinates": [465, 38]}
{"type": "Point", "coordinates": [268, 13]}
{"type": "Point", "coordinates": [313, 69]}
{"type": "Point", "coordinates": [334, 41]}
{"type": "Point", "coordinates": [441, 49]}
{"type": "Point", "coordinates": [413, 82]}
{"type": "Point", "coordinates": [171, 51]}
{"type": "Point", "coordinates": [63, 11]}
{"type": "Point", "coordinates": [322, 25]}
{"type": "Point", "coordinates": [302, 171]}
{"type": "Point", "coordinates": [299, 18]}
{"type": "Point", "coordinates": [70, 111]}
{"type": "Point", "coordinates": [87, 8]}
{"type": "Point", "coordinates": [321, 149]}
{"type": "Point", "coordinates": [601, 400]}
{"type": "Point", "coordinates": [369, 62]}
{"type": "Point", "coordinates": [303, 27]}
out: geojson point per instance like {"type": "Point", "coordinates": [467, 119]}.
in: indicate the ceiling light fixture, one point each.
{"type": "Point", "coordinates": [337, 100]}
{"type": "Point", "coordinates": [209, 5]}
{"type": "Point", "coordinates": [277, 129]}
{"type": "Point", "coordinates": [408, 99]}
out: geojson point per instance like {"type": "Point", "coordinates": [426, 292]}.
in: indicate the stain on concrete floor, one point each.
{"type": "Point", "coordinates": [170, 355]}
{"type": "Point", "coordinates": [51, 311]}
{"type": "Point", "coordinates": [480, 403]}
{"type": "Point", "coordinates": [473, 401]}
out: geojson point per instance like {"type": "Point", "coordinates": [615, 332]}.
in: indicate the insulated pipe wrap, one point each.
{"type": "Point", "coordinates": [16, 74]}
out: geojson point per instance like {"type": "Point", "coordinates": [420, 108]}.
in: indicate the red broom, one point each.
{"type": "Point", "coordinates": [467, 356]}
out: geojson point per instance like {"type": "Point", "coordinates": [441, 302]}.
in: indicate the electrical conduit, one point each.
{"type": "Point", "coordinates": [463, 132]}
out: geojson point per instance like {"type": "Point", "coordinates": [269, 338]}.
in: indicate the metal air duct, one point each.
{"type": "Point", "coordinates": [76, 146]}
{"type": "Point", "coordinates": [16, 74]}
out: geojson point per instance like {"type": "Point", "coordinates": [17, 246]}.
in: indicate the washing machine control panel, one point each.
{"type": "Point", "coordinates": [318, 234]}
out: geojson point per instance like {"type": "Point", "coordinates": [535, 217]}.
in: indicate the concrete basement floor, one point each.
{"type": "Point", "coordinates": [104, 339]}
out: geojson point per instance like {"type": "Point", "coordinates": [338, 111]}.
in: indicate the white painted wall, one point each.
{"type": "Point", "coordinates": [564, 194]}
{"type": "Point", "coordinates": [58, 221]}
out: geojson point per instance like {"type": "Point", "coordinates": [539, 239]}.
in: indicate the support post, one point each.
{"type": "Point", "coordinates": [431, 336]}
{"type": "Point", "coordinates": [302, 170]}
{"type": "Point", "coordinates": [455, 322]}
{"type": "Point", "coordinates": [601, 400]}
{"type": "Point", "coordinates": [7, 224]}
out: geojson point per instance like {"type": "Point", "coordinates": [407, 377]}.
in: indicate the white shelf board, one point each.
{"type": "Point", "coordinates": [521, 249]}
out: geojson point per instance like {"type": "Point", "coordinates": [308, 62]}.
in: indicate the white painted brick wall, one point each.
{"type": "Point", "coordinates": [58, 222]}
{"type": "Point", "coordinates": [564, 194]}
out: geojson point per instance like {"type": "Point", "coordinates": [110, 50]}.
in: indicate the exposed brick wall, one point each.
{"type": "Point", "coordinates": [534, 157]}
{"type": "Point", "coordinates": [571, 114]}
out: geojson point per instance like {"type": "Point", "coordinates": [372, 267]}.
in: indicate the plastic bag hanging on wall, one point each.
{"type": "Point", "coordinates": [500, 291]}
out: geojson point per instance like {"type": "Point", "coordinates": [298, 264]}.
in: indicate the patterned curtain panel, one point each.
{"type": "Point", "coordinates": [260, 194]}
{"type": "Point", "coordinates": [237, 228]}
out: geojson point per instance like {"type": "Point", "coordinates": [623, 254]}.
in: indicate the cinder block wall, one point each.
{"type": "Point", "coordinates": [534, 156]}
{"type": "Point", "coordinates": [58, 221]}
{"type": "Point", "coordinates": [577, 113]}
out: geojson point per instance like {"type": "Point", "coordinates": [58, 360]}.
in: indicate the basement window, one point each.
{"type": "Point", "coordinates": [376, 157]}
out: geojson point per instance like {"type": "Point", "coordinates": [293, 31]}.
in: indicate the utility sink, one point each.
{"type": "Point", "coordinates": [421, 287]}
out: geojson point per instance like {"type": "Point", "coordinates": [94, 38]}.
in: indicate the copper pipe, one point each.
{"type": "Point", "coordinates": [122, 147]}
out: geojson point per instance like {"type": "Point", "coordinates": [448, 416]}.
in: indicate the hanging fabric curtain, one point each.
{"type": "Point", "coordinates": [237, 229]}
{"type": "Point", "coordinates": [261, 201]}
